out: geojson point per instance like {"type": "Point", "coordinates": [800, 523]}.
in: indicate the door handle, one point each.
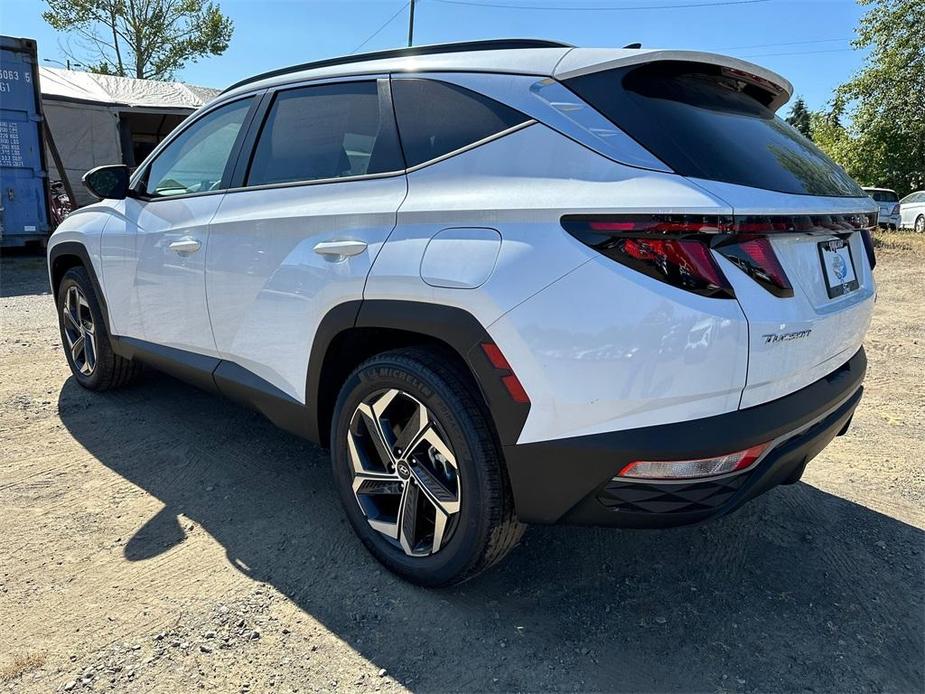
{"type": "Point", "coordinates": [340, 249]}
{"type": "Point", "coordinates": [185, 246]}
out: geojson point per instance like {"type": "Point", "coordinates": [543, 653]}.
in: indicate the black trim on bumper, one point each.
{"type": "Point", "coordinates": [571, 480]}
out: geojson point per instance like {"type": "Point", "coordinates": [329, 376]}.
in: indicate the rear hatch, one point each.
{"type": "Point", "coordinates": [797, 250]}
{"type": "Point", "coordinates": [886, 200]}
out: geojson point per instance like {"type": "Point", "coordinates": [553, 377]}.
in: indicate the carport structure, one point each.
{"type": "Point", "coordinates": [103, 119]}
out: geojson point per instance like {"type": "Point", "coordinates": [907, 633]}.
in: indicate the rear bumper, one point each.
{"type": "Point", "coordinates": [572, 480]}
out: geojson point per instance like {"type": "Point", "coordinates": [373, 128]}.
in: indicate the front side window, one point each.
{"type": "Point", "coordinates": [436, 118]}
{"type": "Point", "coordinates": [705, 123]}
{"type": "Point", "coordinates": [194, 162]}
{"type": "Point", "coordinates": [328, 131]}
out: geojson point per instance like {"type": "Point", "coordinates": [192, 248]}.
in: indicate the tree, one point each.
{"type": "Point", "coordinates": [799, 117]}
{"type": "Point", "coordinates": [884, 143]}
{"type": "Point", "coordinates": [146, 39]}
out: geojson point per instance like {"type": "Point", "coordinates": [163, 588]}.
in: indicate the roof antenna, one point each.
{"type": "Point", "coordinates": [633, 45]}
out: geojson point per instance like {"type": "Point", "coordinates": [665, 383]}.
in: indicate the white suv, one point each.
{"type": "Point", "coordinates": [888, 205]}
{"type": "Point", "coordinates": [504, 282]}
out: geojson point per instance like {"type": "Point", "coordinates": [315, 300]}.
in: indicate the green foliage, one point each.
{"type": "Point", "coordinates": [146, 39]}
{"type": "Point", "coordinates": [884, 104]}
{"type": "Point", "coordinates": [799, 118]}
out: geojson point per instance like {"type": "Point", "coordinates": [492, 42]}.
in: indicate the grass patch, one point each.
{"type": "Point", "coordinates": [22, 663]}
{"type": "Point", "coordinates": [899, 240]}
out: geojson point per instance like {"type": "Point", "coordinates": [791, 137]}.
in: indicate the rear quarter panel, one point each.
{"type": "Point", "coordinates": [597, 346]}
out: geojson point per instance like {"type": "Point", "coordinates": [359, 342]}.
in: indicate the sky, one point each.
{"type": "Point", "coordinates": [807, 41]}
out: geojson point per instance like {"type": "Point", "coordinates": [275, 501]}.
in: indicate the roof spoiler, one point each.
{"type": "Point", "coordinates": [583, 61]}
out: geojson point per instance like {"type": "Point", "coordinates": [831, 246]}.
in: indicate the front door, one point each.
{"type": "Point", "coordinates": [154, 251]}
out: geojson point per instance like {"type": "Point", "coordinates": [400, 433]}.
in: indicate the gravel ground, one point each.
{"type": "Point", "coordinates": [160, 539]}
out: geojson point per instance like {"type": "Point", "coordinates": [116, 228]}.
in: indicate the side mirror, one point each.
{"type": "Point", "coordinates": [108, 181]}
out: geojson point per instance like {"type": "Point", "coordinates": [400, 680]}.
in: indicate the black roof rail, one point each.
{"type": "Point", "coordinates": [433, 49]}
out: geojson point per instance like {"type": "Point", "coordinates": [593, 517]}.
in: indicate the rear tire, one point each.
{"type": "Point", "coordinates": [920, 224]}
{"type": "Point", "coordinates": [419, 469]}
{"type": "Point", "coordinates": [85, 338]}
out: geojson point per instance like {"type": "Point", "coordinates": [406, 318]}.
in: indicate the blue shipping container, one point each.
{"type": "Point", "coordinates": [23, 172]}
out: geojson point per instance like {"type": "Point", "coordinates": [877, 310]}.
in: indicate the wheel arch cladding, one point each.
{"type": "Point", "coordinates": [69, 254]}
{"type": "Point", "coordinates": [355, 331]}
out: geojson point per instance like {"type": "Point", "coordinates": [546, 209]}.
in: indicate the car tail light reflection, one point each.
{"type": "Point", "coordinates": [700, 467]}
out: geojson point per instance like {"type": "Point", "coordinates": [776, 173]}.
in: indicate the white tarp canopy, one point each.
{"type": "Point", "coordinates": [72, 85]}
{"type": "Point", "coordinates": [91, 117]}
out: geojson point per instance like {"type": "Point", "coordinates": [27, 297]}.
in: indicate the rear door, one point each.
{"type": "Point", "coordinates": [316, 199]}
{"type": "Point", "coordinates": [794, 253]}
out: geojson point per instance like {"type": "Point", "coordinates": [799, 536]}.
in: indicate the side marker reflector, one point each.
{"type": "Point", "coordinates": [508, 378]}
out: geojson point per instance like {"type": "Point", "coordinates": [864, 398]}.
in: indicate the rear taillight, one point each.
{"type": "Point", "coordinates": [671, 248]}
{"type": "Point", "coordinates": [699, 467]}
{"type": "Point", "coordinates": [756, 257]}
{"type": "Point", "coordinates": [677, 249]}
{"type": "Point", "coordinates": [895, 209]}
{"type": "Point", "coordinates": [869, 247]}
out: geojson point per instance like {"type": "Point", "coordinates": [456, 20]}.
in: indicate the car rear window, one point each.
{"type": "Point", "coordinates": [884, 196]}
{"type": "Point", "coordinates": [706, 124]}
{"type": "Point", "coordinates": [436, 118]}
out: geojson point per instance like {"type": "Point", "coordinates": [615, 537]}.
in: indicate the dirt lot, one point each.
{"type": "Point", "coordinates": [160, 539]}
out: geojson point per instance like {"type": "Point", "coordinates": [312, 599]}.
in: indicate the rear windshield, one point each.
{"type": "Point", "coordinates": [705, 124]}
{"type": "Point", "coordinates": [883, 195]}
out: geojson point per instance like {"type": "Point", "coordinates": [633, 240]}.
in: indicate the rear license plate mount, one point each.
{"type": "Point", "coordinates": [838, 269]}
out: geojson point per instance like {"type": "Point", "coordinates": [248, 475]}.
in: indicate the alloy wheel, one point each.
{"type": "Point", "coordinates": [405, 475]}
{"type": "Point", "coordinates": [79, 330]}
{"type": "Point", "coordinates": [920, 224]}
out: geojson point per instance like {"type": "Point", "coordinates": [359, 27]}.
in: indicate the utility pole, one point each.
{"type": "Point", "coordinates": [411, 26]}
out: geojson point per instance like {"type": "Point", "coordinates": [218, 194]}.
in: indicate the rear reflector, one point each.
{"type": "Point", "coordinates": [515, 389]}
{"type": "Point", "coordinates": [687, 469]}
{"type": "Point", "coordinates": [508, 378]}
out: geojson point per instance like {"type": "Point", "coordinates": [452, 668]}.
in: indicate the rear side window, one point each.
{"type": "Point", "coordinates": [705, 124]}
{"type": "Point", "coordinates": [328, 131]}
{"type": "Point", "coordinates": [436, 118]}
{"type": "Point", "coordinates": [884, 196]}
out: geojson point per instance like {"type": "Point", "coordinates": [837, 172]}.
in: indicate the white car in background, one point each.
{"type": "Point", "coordinates": [888, 202]}
{"type": "Point", "coordinates": [912, 211]}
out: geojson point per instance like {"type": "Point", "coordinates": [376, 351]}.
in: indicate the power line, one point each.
{"type": "Point", "coordinates": [376, 32]}
{"type": "Point", "coordinates": [789, 43]}
{"type": "Point", "coordinates": [715, 3]}
{"type": "Point", "coordinates": [766, 55]}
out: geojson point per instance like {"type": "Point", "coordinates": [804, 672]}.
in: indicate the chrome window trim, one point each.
{"type": "Point", "coordinates": [472, 145]}
{"type": "Point", "coordinates": [383, 174]}
{"type": "Point", "coordinates": [314, 181]}
{"type": "Point", "coordinates": [319, 81]}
